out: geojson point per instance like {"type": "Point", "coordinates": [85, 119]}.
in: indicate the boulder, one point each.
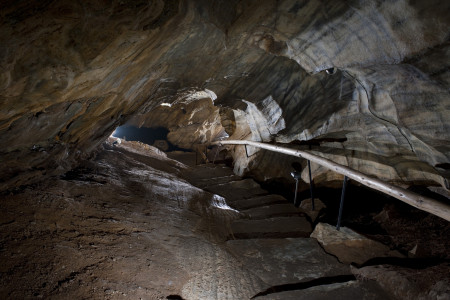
{"type": "Point", "coordinates": [349, 246]}
{"type": "Point", "coordinates": [306, 207]}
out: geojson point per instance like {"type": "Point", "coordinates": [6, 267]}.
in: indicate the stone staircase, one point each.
{"type": "Point", "coordinates": [264, 215]}
{"type": "Point", "coordinates": [272, 240]}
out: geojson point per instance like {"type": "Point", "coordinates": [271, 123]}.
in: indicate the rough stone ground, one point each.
{"type": "Point", "coordinates": [122, 227]}
{"type": "Point", "coordinates": [128, 226]}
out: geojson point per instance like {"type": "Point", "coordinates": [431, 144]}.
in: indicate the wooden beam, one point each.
{"type": "Point", "coordinates": [427, 204]}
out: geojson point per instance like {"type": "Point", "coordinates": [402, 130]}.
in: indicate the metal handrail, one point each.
{"type": "Point", "coordinates": [424, 203]}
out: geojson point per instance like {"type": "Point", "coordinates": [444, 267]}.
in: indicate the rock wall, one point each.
{"type": "Point", "coordinates": [71, 72]}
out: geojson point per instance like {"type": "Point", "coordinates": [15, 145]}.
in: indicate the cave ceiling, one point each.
{"type": "Point", "coordinates": [369, 79]}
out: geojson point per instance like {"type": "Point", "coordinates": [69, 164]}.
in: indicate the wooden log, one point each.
{"type": "Point", "coordinates": [427, 204]}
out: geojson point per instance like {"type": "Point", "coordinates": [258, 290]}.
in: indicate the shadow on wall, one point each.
{"type": "Point", "coordinates": [145, 135]}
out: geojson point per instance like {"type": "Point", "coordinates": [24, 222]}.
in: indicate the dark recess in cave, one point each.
{"type": "Point", "coordinates": [174, 297]}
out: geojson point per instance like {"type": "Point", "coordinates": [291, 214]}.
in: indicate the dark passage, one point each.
{"type": "Point", "coordinates": [145, 135]}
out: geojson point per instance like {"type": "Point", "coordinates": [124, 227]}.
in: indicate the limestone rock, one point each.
{"type": "Point", "coordinates": [349, 246]}
{"type": "Point", "coordinates": [136, 147]}
{"type": "Point", "coordinates": [72, 72]}
{"type": "Point", "coordinates": [306, 207]}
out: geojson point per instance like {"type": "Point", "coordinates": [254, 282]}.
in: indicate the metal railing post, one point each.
{"type": "Point", "coordinates": [311, 187]}
{"type": "Point", "coordinates": [215, 155]}
{"type": "Point", "coordinates": [246, 152]}
{"type": "Point", "coordinates": [295, 197]}
{"type": "Point", "coordinates": [341, 206]}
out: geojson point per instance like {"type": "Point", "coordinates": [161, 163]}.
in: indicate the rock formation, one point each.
{"type": "Point", "coordinates": [349, 246]}
{"type": "Point", "coordinates": [72, 72]}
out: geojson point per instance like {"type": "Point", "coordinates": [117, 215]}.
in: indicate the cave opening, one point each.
{"type": "Point", "coordinates": [153, 136]}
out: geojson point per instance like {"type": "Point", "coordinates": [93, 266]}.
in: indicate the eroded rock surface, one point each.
{"type": "Point", "coordinates": [123, 226]}
{"type": "Point", "coordinates": [287, 260]}
{"type": "Point", "coordinates": [73, 71]}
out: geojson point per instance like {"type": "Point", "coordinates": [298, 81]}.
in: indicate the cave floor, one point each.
{"type": "Point", "coordinates": [134, 224]}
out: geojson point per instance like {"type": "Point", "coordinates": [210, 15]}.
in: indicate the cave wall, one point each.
{"type": "Point", "coordinates": [74, 71]}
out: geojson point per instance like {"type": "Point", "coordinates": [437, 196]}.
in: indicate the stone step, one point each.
{"type": "Point", "coordinates": [242, 204]}
{"type": "Point", "coordinates": [285, 261]}
{"type": "Point", "coordinates": [203, 172]}
{"type": "Point", "coordinates": [271, 228]}
{"type": "Point", "coordinates": [206, 182]}
{"type": "Point", "coordinates": [270, 211]}
{"type": "Point", "coordinates": [236, 190]}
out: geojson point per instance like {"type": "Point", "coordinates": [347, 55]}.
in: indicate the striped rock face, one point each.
{"type": "Point", "coordinates": [365, 84]}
